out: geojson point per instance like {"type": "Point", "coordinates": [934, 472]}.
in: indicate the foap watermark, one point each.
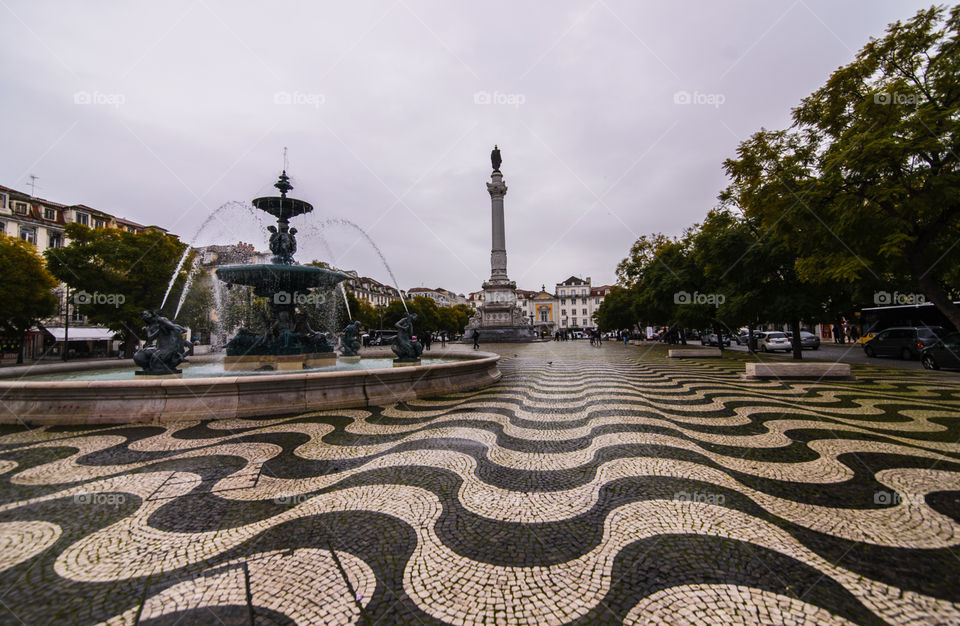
{"type": "Point", "coordinates": [497, 97]}
{"type": "Point", "coordinates": [299, 298]}
{"type": "Point", "coordinates": [683, 96]}
{"type": "Point", "coordinates": [297, 97]}
{"type": "Point", "coordinates": [115, 500]}
{"type": "Point", "coordinates": [900, 99]}
{"type": "Point", "coordinates": [298, 498]}
{"type": "Point", "coordinates": [115, 100]}
{"type": "Point", "coordinates": [703, 497]}
{"type": "Point", "coordinates": [885, 297]}
{"type": "Point", "coordinates": [685, 297]}
{"type": "Point", "coordinates": [892, 498]}
{"type": "Point", "coordinates": [114, 299]}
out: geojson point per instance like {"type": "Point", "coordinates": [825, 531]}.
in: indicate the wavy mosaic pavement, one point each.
{"type": "Point", "coordinates": [587, 487]}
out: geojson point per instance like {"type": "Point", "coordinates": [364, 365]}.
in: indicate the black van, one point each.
{"type": "Point", "coordinates": [906, 342]}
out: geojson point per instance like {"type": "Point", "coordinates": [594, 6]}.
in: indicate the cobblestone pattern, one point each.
{"type": "Point", "coordinates": [589, 487]}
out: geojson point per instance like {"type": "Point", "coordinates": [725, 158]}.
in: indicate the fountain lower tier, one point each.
{"type": "Point", "coordinates": [289, 343]}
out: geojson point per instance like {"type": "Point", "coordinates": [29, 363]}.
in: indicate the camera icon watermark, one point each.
{"type": "Point", "coordinates": [893, 97]}
{"type": "Point", "coordinates": [685, 97]}
{"type": "Point", "coordinates": [892, 498]}
{"type": "Point", "coordinates": [685, 297]}
{"type": "Point", "coordinates": [115, 300]}
{"type": "Point", "coordinates": [702, 497]}
{"type": "Point", "coordinates": [316, 100]}
{"type": "Point", "coordinates": [116, 100]}
{"type": "Point", "coordinates": [299, 298]}
{"type": "Point", "coordinates": [515, 100]}
{"type": "Point", "coordinates": [115, 500]}
{"type": "Point", "coordinates": [897, 298]}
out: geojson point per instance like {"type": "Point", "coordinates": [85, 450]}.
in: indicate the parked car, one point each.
{"type": "Point", "coordinates": [906, 342]}
{"type": "Point", "coordinates": [807, 340]}
{"type": "Point", "coordinates": [710, 339]}
{"type": "Point", "coordinates": [773, 340]}
{"type": "Point", "coordinates": [943, 353]}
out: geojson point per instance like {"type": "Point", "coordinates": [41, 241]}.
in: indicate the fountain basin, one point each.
{"type": "Point", "coordinates": [240, 396]}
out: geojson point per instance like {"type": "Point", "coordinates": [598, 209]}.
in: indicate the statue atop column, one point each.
{"type": "Point", "coordinates": [495, 159]}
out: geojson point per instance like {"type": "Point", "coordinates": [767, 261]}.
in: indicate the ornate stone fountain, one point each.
{"type": "Point", "coordinates": [288, 343]}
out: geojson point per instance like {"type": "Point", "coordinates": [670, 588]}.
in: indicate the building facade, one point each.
{"type": "Point", "coordinates": [42, 223]}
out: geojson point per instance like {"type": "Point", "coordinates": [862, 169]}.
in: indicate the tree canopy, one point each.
{"type": "Point", "coordinates": [27, 294]}
{"type": "Point", "coordinates": [116, 274]}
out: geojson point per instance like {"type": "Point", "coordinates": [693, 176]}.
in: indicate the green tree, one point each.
{"type": "Point", "coordinates": [428, 314]}
{"type": "Point", "coordinates": [363, 312]}
{"type": "Point", "coordinates": [868, 175]}
{"type": "Point", "coordinates": [616, 310]}
{"type": "Point", "coordinates": [453, 319]}
{"type": "Point", "coordinates": [27, 294]}
{"type": "Point", "coordinates": [117, 274]}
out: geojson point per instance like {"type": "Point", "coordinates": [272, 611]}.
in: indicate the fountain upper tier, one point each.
{"type": "Point", "coordinates": [268, 279]}
{"type": "Point", "coordinates": [281, 274]}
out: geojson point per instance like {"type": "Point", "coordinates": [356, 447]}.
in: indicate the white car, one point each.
{"type": "Point", "coordinates": [775, 340]}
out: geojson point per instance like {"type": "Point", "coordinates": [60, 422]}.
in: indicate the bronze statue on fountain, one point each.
{"type": "Point", "coordinates": [288, 341]}
{"type": "Point", "coordinates": [407, 349]}
{"type": "Point", "coordinates": [165, 346]}
{"type": "Point", "coordinates": [350, 342]}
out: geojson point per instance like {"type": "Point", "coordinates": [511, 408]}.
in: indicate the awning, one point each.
{"type": "Point", "coordinates": [82, 333]}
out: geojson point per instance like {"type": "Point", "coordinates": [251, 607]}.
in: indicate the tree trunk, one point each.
{"type": "Point", "coordinates": [750, 341]}
{"type": "Point", "coordinates": [797, 342]}
{"type": "Point", "coordinates": [932, 289]}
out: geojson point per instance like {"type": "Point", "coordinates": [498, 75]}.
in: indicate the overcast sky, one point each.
{"type": "Point", "coordinates": [613, 118]}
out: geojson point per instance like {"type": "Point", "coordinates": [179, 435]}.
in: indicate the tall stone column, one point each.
{"type": "Point", "coordinates": [498, 251]}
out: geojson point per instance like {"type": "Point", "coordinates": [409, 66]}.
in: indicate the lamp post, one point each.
{"type": "Point", "coordinates": [66, 323]}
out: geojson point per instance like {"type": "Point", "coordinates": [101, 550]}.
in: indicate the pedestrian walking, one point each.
{"type": "Point", "coordinates": [476, 339]}
{"type": "Point", "coordinates": [427, 340]}
{"type": "Point", "coordinates": [626, 337]}
{"type": "Point", "coordinates": [443, 340]}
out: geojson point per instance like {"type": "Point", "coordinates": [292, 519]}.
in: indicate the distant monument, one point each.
{"type": "Point", "coordinates": [498, 316]}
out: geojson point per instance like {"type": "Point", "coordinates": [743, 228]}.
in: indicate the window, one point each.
{"type": "Point", "coordinates": [563, 311]}
{"type": "Point", "coordinates": [83, 218]}
{"type": "Point", "coordinates": [28, 234]}
{"type": "Point", "coordinates": [3, 228]}
{"type": "Point", "coordinates": [20, 207]}
{"type": "Point", "coordinates": [55, 240]}
{"type": "Point", "coordinates": [98, 223]}
{"type": "Point", "coordinates": [584, 311]}
{"type": "Point", "coordinates": [49, 214]}
{"type": "Point", "coordinates": [563, 301]}
{"type": "Point", "coordinates": [3, 200]}
{"type": "Point", "coordinates": [583, 301]}
{"type": "Point", "coordinates": [573, 322]}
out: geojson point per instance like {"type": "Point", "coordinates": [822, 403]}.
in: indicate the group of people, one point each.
{"type": "Point", "coordinates": [595, 336]}
{"type": "Point", "coordinates": [842, 333]}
